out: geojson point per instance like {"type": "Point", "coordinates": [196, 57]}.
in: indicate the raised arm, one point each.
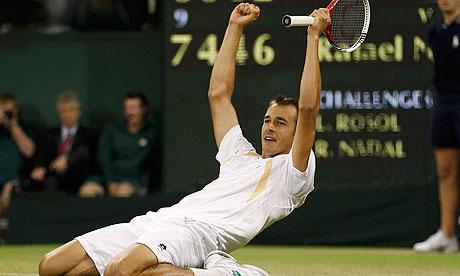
{"type": "Point", "coordinates": [223, 73]}
{"type": "Point", "coordinates": [310, 87]}
{"type": "Point", "coordinates": [25, 144]}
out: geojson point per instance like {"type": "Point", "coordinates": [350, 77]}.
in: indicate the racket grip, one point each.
{"type": "Point", "coordinates": [297, 21]}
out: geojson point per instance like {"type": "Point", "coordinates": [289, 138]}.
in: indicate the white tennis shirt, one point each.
{"type": "Point", "coordinates": [250, 194]}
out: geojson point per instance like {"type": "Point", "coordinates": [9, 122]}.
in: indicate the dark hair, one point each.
{"type": "Point", "coordinates": [141, 97]}
{"type": "Point", "coordinates": [7, 97]}
{"type": "Point", "coordinates": [137, 95]}
{"type": "Point", "coordinates": [283, 100]}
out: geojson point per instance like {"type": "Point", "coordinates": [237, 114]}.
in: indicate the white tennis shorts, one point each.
{"type": "Point", "coordinates": [176, 240]}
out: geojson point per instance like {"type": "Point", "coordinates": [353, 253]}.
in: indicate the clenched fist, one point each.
{"type": "Point", "coordinates": [244, 14]}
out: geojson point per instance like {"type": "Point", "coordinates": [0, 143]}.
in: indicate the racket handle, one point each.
{"type": "Point", "coordinates": [297, 21]}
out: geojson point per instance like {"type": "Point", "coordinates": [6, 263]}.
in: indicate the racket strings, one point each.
{"type": "Point", "coordinates": [348, 22]}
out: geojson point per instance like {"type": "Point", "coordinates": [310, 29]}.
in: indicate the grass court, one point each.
{"type": "Point", "coordinates": [22, 260]}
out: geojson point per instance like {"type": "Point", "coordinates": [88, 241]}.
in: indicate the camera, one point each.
{"type": "Point", "coordinates": [9, 114]}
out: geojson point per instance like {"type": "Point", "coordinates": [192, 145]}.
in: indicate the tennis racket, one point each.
{"type": "Point", "coordinates": [350, 21]}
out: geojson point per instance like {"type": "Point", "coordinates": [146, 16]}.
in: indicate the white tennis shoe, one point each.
{"type": "Point", "coordinates": [220, 260]}
{"type": "Point", "coordinates": [438, 242]}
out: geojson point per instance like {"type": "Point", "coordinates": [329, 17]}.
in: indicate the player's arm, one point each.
{"type": "Point", "coordinates": [310, 87]}
{"type": "Point", "coordinates": [223, 73]}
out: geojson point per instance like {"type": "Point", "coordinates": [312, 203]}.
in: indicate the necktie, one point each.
{"type": "Point", "coordinates": [65, 145]}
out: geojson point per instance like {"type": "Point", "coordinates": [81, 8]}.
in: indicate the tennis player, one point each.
{"type": "Point", "coordinates": [252, 191]}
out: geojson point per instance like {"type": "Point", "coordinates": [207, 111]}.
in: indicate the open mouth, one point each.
{"type": "Point", "coordinates": [269, 139]}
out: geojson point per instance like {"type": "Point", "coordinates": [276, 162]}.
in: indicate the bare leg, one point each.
{"type": "Point", "coordinates": [447, 162]}
{"type": "Point", "coordinates": [68, 259]}
{"type": "Point", "coordinates": [138, 259]}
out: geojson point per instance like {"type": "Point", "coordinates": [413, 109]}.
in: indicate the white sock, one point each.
{"type": "Point", "coordinates": [209, 272]}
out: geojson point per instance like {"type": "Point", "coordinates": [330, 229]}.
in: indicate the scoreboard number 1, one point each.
{"type": "Point", "coordinates": [262, 53]}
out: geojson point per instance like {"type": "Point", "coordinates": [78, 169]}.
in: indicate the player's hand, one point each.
{"type": "Point", "coordinates": [244, 14]}
{"type": "Point", "coordinates": [60, 163]}
{"type": "Point", "coordinates": [322, 21]}
{"type": "Point", "coordinates": [38, 174]}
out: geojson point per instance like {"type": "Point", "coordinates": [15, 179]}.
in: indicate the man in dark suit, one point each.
{"type": "Point", "coordinates": [64, 153]}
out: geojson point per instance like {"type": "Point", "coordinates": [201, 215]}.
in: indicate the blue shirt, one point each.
{"type": "Point", "coordinates": [445, 43]}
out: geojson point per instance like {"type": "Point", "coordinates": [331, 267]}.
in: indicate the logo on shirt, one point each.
{"type": "Point", "coordinates": [143, 142]}
{"type": "Point", "coordinates": [162, 247]}
{"type": "Point", "coordinates": [455, 42]}
{"type": "Point", "coordinates": [235, 273]}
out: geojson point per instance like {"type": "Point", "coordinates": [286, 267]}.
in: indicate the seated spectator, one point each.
{"type": "Point", "coordinates": [16, 145]}
{"type": "Point", "coordinates": [65, 152]}
{"type": "Point", "coordinates": [125, 152]}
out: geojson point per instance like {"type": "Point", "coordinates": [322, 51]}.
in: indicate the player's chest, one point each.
{"type": "Point", "coordinates": [244, 164]}
{"type": "Point", "coordinates": [248, 171]}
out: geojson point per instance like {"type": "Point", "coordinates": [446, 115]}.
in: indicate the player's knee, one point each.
{"type": "Point", "coordinates": [46, 266]}
{"type": "Point", "coordinates": [119, 268]}
{"type": "Point", "coordinates": [110, 269]}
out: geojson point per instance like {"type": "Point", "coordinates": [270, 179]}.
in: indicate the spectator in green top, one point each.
{"type": "Point", "coordinates": [125, 152]}
{"type": "Point", "coordinates": [16, 145]}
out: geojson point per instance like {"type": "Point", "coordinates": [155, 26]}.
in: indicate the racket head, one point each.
{"type": "Point", "coordinates": [350, 20]}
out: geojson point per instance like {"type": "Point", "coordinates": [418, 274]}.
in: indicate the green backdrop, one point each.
{"type": "Point", "coordinates": [99, 67]}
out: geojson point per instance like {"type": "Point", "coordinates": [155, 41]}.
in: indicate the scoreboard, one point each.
{"type": "Point", "coordinates": [373, 127]}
